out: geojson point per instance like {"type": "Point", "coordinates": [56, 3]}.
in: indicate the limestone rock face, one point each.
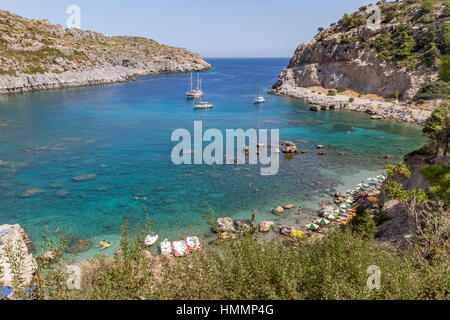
{"type": "Point", "coordinates": [329, 64]}
{"type": "Point", "coordinates": [16, 244]}
{"type": "Point", "coordinates": [342, 56]}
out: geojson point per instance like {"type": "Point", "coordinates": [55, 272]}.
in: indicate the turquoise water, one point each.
{"type": "Point", "coordinates": [121, 133]}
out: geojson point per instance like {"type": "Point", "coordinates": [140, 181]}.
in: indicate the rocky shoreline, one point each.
{"type": "Point", "coordinates": [38, 55]}
{"type": "Point", "coordinates": [379, 109]}
{"type": "Point", "coordinates": [92, 76]}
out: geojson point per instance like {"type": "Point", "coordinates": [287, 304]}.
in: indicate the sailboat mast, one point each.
{"type": "Point", "coordinates": [191, 81]}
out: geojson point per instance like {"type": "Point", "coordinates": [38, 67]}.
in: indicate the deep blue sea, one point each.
{"type": "Point", "coordinates": [121, 132]}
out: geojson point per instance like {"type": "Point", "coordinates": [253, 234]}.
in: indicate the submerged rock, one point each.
{"type": "Point", "coordinates": [62, 193]}
{"type": "Point", "coordinates": [76, 245]}
{"type": "Point", "coordinates": [85, 177]}
{"type": "Point", "coordinates": [278, 210]}
{"type": "Point", "coordinates": [31, 192]}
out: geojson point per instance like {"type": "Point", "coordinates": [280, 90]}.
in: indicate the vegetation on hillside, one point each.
{"type": "Point", "coordinates": [413, 32]}
{"type": "Point", "coordinates": [437, 127]}
{"type": "Point", "coordinates": [29, 46]}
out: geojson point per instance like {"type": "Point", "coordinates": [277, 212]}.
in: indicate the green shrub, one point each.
{"type": "Point", "coordinates": [351, 99]}
{"type": "Point", "coordinates": [331, 93]}
{"type": "Point", "coordinates": [395, 95]}
{"type": "Point", "coordinates": [439, 177]}
{"type": "Point", "coordinates": [427, 6]}
{"type": "Point", "coordinates": [435, 90]}
{"type": "Point", "coordinates": [341, 89]}
{"type": "Point", "coordinates": [363, 224]}
{"type": "Point", "coordinates": [444, 72]}
{"type": "Point", "coordinates": [349, 22]}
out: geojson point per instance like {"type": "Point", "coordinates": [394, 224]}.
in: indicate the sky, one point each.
{"type": "Point", "coordinates": [212, 28]}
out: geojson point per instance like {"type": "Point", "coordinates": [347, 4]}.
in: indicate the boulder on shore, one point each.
{"type": "Point", "coordinates": [288, 206]}
{"type": "Point", "coordinates": [265, 226]}
{"type": "Point", "coordinates": [225, 225]}
{"type": "Point", "coordinates": [286, 230]}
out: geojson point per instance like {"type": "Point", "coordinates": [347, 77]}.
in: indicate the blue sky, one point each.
{"type": "Point", "coordinates": [213, 28]}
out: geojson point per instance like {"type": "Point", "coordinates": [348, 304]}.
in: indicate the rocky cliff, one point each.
{"type": "Point", "coordinates": [16, 261]}
{"type": "Point", "coordinates": [401, 54]}
{"type": "Point", "coordinates": [35, 54]}
{"type": "Point", "coordinates": [400, 227]}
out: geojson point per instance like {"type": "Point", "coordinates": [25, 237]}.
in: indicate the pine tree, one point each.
{"type": "Point", "coordinates": [437, 126]}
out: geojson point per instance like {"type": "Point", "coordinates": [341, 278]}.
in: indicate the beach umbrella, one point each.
{"type": "Point", "coordinates": [373, 199]}
{"type": "Point", "coordinates": [348, 200]}
{"type": "Point", "coordinates": [323, 221]}
{"type": "Point", "coordinates": [345, 206]}
{"type": "Point", "coordinates": [371, 179]}
{"type": "Point", "coordinates": [312, 226]}
{"type": "Point", "coordinates": [339, 211]}
{"type": "Point", "coordinates": [331, 216]}
{"type": "Point", "coordinates": [381, 177]}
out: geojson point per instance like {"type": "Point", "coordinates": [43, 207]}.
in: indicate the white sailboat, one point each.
{"type": "Point", "coordinates": [201, 104]}
{"type": "Point", "coordinates": [258, 99]}
{"type": "Point", "coordinates": [195, 92]}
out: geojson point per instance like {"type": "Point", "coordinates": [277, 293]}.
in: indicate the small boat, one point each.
{"type": "Point", "coordinates": [150, 239]}
{"type": "Point", "coordinates": [165, 247]}
{"type": "Point", "coordinates": [193, 243]}
{"type": "Point", "coordinates": [195, 93]}
{"type": "Point", "coordinates": [179, 248]}
{"type": "Point", "coordinates": [258, 99]}
{"type": "Point", "coordinates": [202, 105]}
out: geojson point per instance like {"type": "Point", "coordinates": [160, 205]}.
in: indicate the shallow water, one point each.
{"type": "Point", "coordinates": [121, 133]}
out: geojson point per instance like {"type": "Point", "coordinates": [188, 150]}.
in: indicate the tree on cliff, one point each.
{"type": "Point", "coordinates": [444, 73]}
{"type": "Point", "coordinates": [437, 126]}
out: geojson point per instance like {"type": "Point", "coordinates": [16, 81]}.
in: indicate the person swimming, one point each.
{"type": "Point", "coordinates": [56, 230]}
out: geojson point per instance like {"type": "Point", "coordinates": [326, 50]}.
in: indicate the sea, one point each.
{"type": "Point", "coordinates": [122, 133]}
